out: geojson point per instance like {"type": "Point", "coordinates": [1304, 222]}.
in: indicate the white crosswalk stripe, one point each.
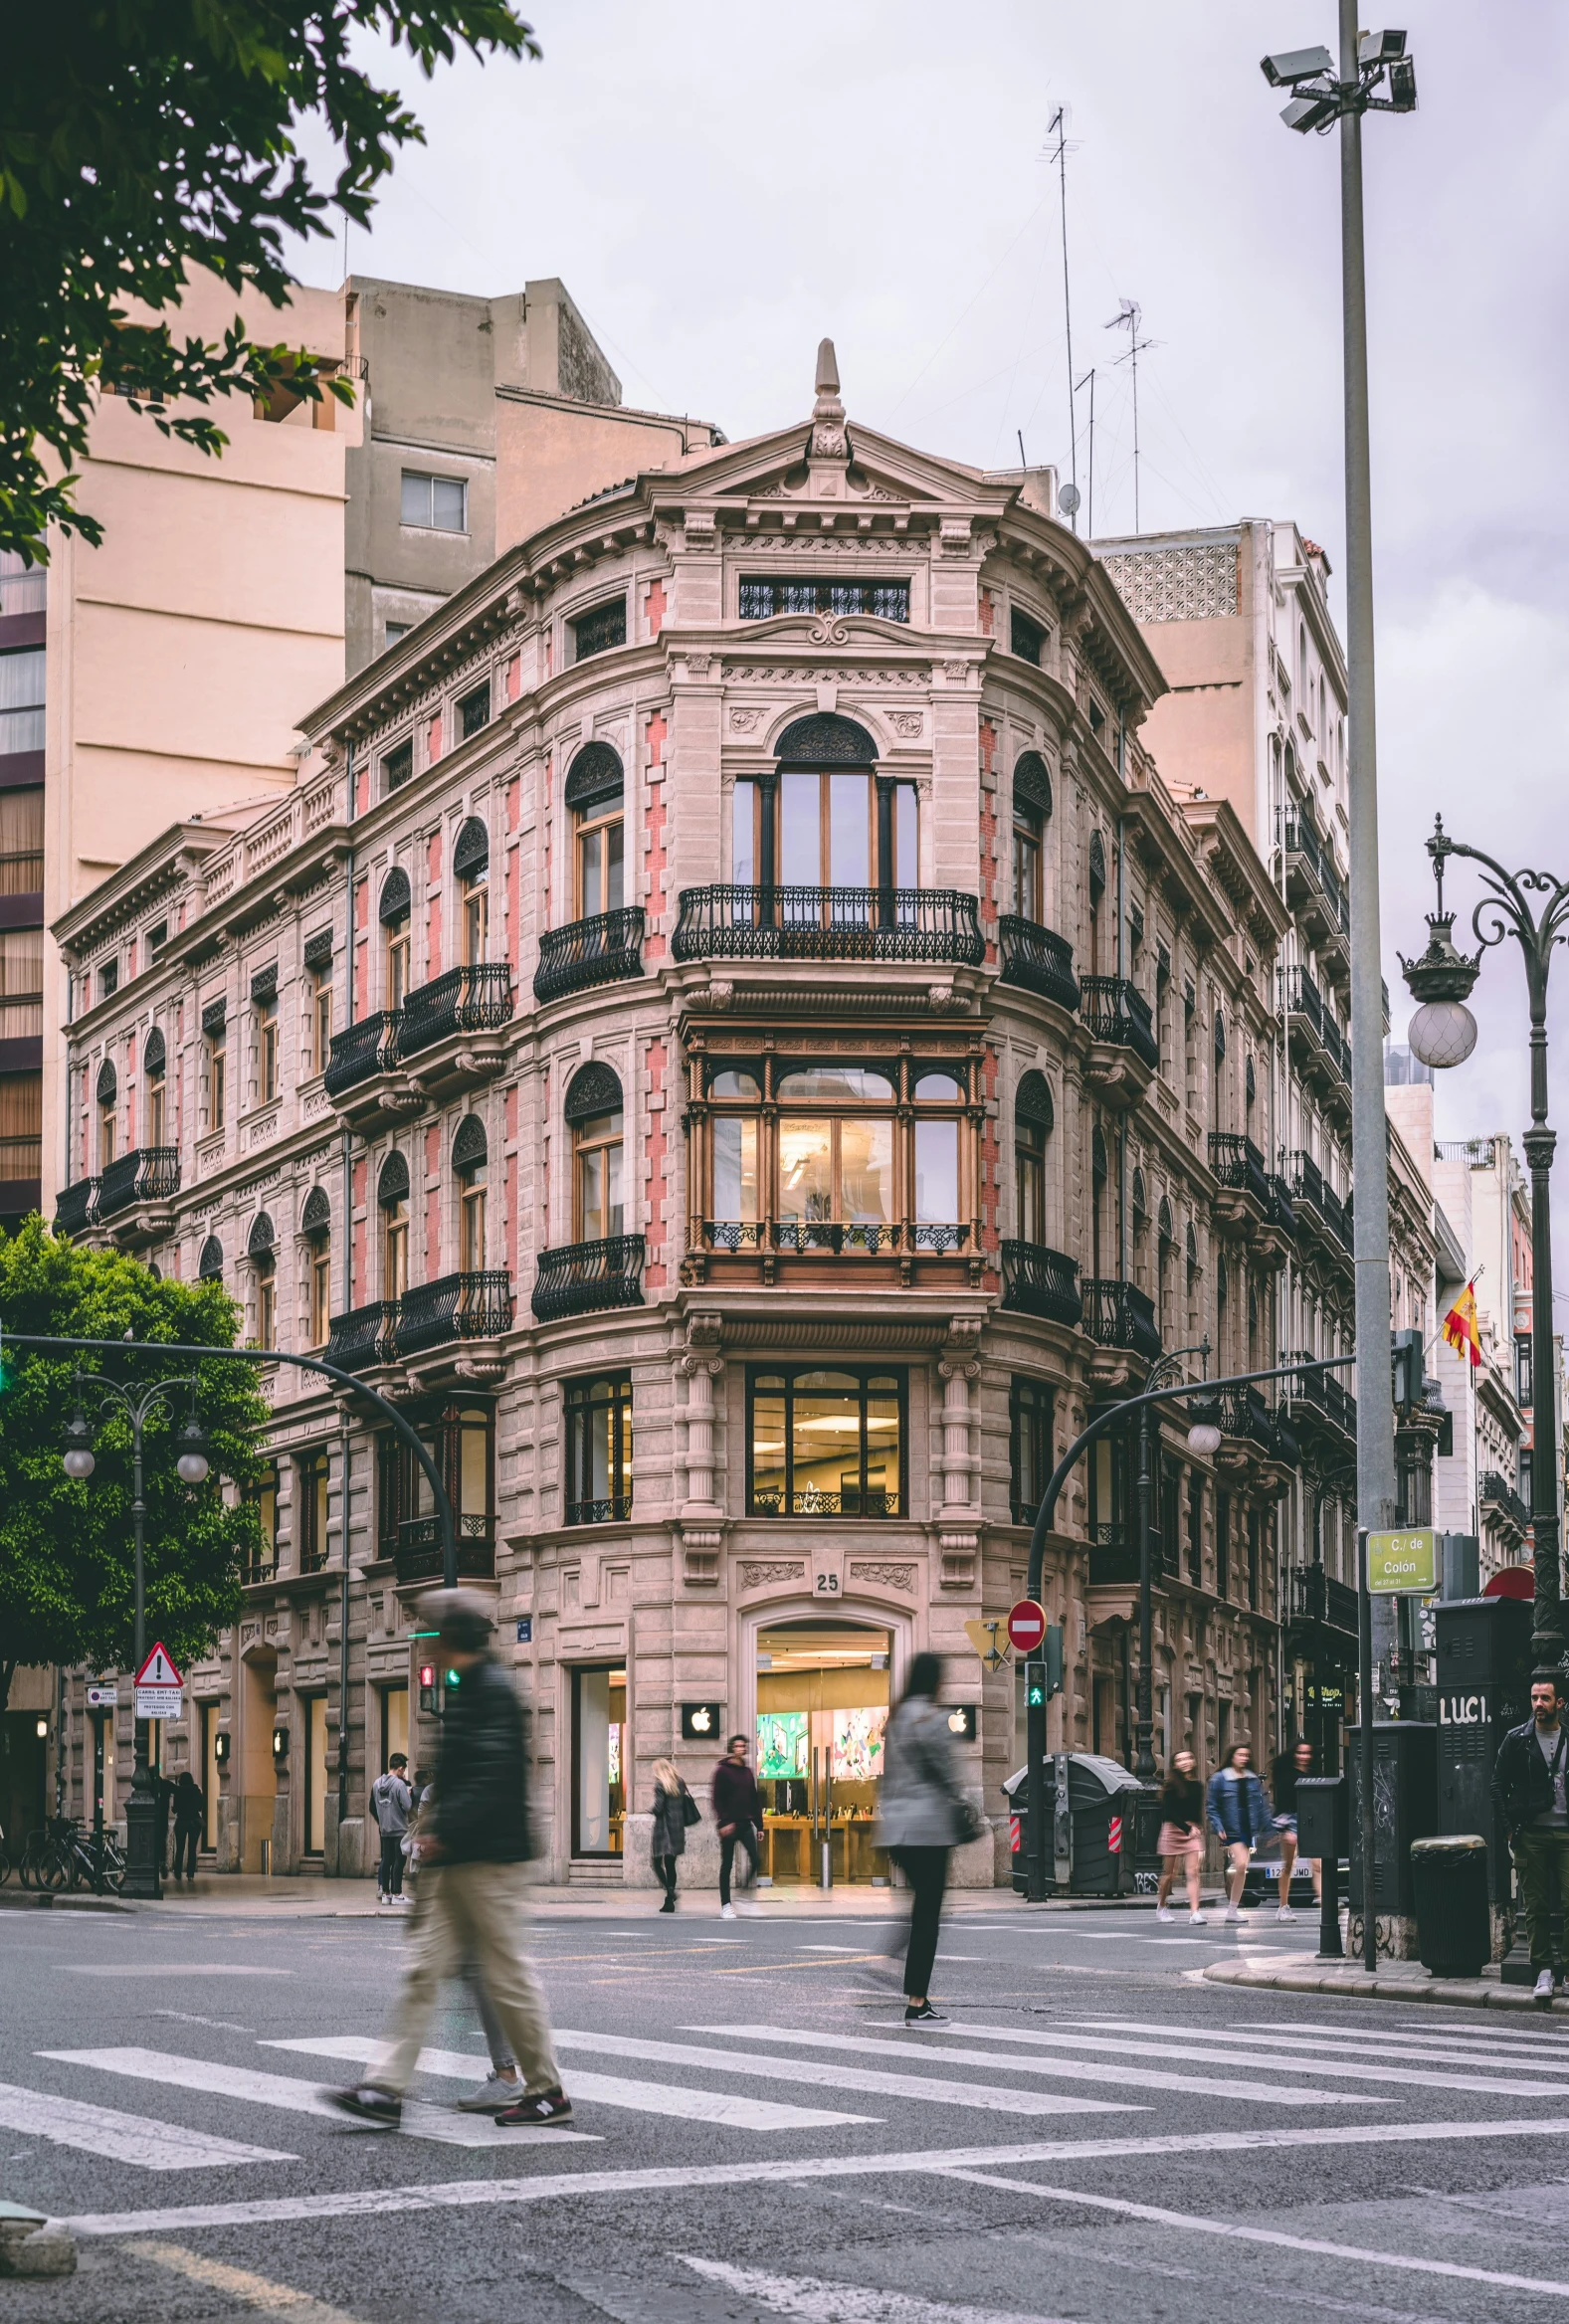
{"type": "Point", "coordinates": [666, 2098]}
{"type": "Point", "coordinates": [123, 2138]}
{"type": "Point", "coordinates": [1439, 2050]}
{"type": "Point", "coordinates": [290, 2092]}
{"type": "Point", "coordinates": [1070, 2069]}
{"type": "Point", "coordinates": [1100, 2036]}
{"type": "Point", "coordinates": [924, 2089]}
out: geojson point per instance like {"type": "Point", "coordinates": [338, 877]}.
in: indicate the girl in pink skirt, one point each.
{"type": "Point", "coordinates": [1181, 1840]}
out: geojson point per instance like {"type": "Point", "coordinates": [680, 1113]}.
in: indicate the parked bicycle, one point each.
{"type": "Point", "coordinates": [64, 1855]}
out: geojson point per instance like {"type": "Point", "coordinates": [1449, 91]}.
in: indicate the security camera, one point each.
{"type": "Point", "coordinates": [1307, 113]}
{"type": "Point", "coordinates": [1293, 65]}
{"type": "Point", "coordinates": [1380, 48]}
{"type": "Point", "coordinates": [1403, 85]}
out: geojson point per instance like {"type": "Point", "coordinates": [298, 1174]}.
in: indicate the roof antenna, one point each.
{"type": "Point", "coordinates": [1129, 319]}
{"type": "Point", "coordinates": [1058, 126]}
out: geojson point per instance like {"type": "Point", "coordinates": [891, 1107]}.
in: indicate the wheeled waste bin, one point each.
{"type": "Point", "coordinates": [1449, 1885]}
{"type": "Point", "coordinates": [1091, 1827]}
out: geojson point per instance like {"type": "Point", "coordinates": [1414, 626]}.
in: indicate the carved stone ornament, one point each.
{"type": "Point", "coordinates": [884, 1577]}
{"type": "Point", "coordinates": [829, 439]}
{"type": "Point", "coordinates": [753, 1574]}
{"type": "Point", "coordinates": [828, 630]}
{"type": "Point", "coordinates": [909, 724]}
{"type": "Point", "coordinates": [955, 673]}
{"type": "Point", "coordinates": [745, 721]}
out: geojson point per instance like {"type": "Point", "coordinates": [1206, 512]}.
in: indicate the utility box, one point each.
{"type": "Point", "coordinates": [1092, 1805]}
{"type": "Point", "coordinates": [1321, 1821]}
{"type": "Point", "coordinates": [1405, 1808]}
{"type": "Point", "coordinates": [1482, 1654]}
{"type": "Point", "coordinates": [1459, 1566]}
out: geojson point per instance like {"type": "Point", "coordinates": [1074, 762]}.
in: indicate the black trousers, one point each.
{"type": "Point", "coordinates": [927, 1871]}
{"type": "Point", "coordinates": [666, 1868]}
{"type": "Point", "coordinates": [186, 1836]}
{"type": "Point", "coordinates": [390, 1879]}
{"type": "Point", "coordinates": [742, 1836]}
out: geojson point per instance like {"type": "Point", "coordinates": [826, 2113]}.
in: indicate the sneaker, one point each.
{"type": "Point", "coordinates": [495, 2092]}
{"type": "Point", "coordinates": [368, 2104]}
{"type": "Point", "coordinates": [925, 2016]}
{"type": "Point", "coordinates": [727, 1912]}
{"type": "Point", "coordinates": [749, 1909]}
{"type": "Point", "coordinates": [669, 1904]}
{"type": "Point", "coordinates": [1198, 1920]}
{"type": "Point", "coordinates": [1231, 1913]}
{"type": "Point", "coordinates": [551, 2107]}
{"type": "Point", "coordinates": [1283, 1913]}
{"type": "Point", "coordinates": [1163, 1913]}
{"type": "Point", "coordinates": [1545, 1986]}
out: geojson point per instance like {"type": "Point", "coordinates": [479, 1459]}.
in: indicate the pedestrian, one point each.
{"type": "Point", "coordinates": [189, 1811]}
{"type": "Point", "coordinates": [1290, 1768]}
{"type": "Point", "coordinates": [922, 1816]}
{"type": "Point", "coordinates": [675, 1810]}
{"type": "Point", "coordinates": [392, 1804]}
{"type": "Point", "coordinates": [1180, 1844]}
{"type": "Point", "coordinates": [1239, 1815]}
{"type": "Point", "coordinates": [1528, 1793]}
{"type": "Point", "coordinates": [474, 1851]}
{"type": "Point", "coordinates": [739, 1813]}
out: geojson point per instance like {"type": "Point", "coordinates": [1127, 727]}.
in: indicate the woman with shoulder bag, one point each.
{"type": "Point", "coordinates": [922, 1816]}
{"type": "Point", "coordinates": [674, 1810]}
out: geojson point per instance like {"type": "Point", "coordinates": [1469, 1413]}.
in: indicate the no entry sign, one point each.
{"type": "Point", "coordinates": [1027, 1626]}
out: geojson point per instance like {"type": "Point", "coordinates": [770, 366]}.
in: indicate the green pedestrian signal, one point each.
{"type": "Point", "coordinates": [1035, 1687]}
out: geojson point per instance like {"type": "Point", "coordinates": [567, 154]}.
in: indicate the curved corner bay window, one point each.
{"type": "Point", "coordinates": [597, 1197]}
{"type": "Point", "coordinates": [837, 1148]}
{"type": "Point", "coordinates": [811, 828]}
{"type": "Point", "coordinates": [599, 1449]}
{"type": "Point", "coordinates": [826, 1444]}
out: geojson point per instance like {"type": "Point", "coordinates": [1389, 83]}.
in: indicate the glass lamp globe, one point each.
{"type": "Point", "coordinates": [77, 1459]}
{"type": "Point", "coordinates": [1204, 1440]}
{"type": "Point", "coordinates": [192, 1467]}
{"type": "Point", "coordinates": [1442, 1033]}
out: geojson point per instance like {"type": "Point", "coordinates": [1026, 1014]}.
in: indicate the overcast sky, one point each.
{"type": "Point", "coordinates": [721, 184]}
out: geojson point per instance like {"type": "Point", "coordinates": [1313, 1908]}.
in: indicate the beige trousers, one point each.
{"type": "Point", "coordinates": [472, 1912]}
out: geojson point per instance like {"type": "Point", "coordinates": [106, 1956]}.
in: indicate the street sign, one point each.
{"type": "Point", "coordinates": [983, 1637]}
{"type": "Point", "coordinates": [158, 1669]}
{"type": "Point", "coordinates": [1027, 1625]}
{"type": "Point", "coordinates": [102, 1698]}
{"type": "Point", "coordinates": [1404, 1563]}
{"type": "Point", "coordinates": [159, 1688]}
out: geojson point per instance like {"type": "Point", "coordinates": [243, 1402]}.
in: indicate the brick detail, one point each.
{"type": "Point", "coordinates": [991, 1168]}
{"type": "Point", "coordinates": [433, 739]}
{"type": "Point", "coordinates": [433, 906]}
{"type": "Point", "coordinates": [656, 1147]}
{"type": "Point", "coordinates": [988, 865]}
{"type": "Point", "coordinates": [432, 1203]}
{"type": "Point", "coordinates": [511, 1228]}
{"type": "Point", "coordinates": [361, 948]}
{"type": "Point", "coordinates": [988, 613]}
{"type": "Point", "coordinates": [512, 683]}
{"type": "Point", "coordinates": [655, 944]}
{"type": "Point", "coordinates": [360, 1283]}
{"type": "Point", "coordinates": [655, 602]}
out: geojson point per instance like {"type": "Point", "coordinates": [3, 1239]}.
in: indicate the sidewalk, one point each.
{"type": "Point", "coordinates": [1392, 1980]}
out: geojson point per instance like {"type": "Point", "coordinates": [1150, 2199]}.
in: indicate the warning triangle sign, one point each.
{"type": "Point", "coordinates": [158, 1669]}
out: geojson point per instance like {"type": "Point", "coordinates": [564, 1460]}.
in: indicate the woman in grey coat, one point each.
{"type": "Point", "coordinates": [671, 1800]}
{"type": "Point", "coordinates": [921, 1816]}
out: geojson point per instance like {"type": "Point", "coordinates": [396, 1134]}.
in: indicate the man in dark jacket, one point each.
{"type": "Point", "coordinates": [474, 1846]}
{"type": "Point", "coordinates": [1528, 1790]}
{"type": "Point", "coordinates": [739, 1816]}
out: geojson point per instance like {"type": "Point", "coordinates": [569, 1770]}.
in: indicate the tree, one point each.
{"type": "Point", "coordinates": [66, 1565]}
{"type": "Point", "coordinates": [139, 138]}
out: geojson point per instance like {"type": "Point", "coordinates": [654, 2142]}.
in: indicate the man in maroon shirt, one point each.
{"type": "Point", "coordinates": [739, 1813]}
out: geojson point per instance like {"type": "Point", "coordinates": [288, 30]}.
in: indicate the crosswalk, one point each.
{"type": "Point", "coordinates": [752, 2078]}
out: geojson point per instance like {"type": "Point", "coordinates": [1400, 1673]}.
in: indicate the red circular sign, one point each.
{"type": "Point", "coordinates": [1027, 1625]}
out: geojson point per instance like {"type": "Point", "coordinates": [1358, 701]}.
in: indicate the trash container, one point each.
{"type": "Point", "coordinates": [1092, 1850]}
{"type": "Point", "coordinates": [1449, 1882]}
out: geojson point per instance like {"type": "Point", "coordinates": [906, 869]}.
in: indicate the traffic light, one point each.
{"type": "Point", "coordinates": [1034, 1685]}
{"type": "Point", "coordinates": [1053, 1660]}
{"type": "Point", "coordinates": [428, 1688]}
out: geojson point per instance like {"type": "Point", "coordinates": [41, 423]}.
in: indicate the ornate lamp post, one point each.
{"type": "Point", "coordinates": [1444, 1032]}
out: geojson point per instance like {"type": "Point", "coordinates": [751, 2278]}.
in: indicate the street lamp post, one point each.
{"type": "Point", "coordinates": [1161, 1375]}
{"type": "Point", "coordinates": [143, 1866]}
{"type": "Point", "coordinates": [1444, 1032]}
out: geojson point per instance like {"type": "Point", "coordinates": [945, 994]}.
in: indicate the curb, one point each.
{"type": "Point", "coordinates": [1450, 1993]}
{"type": "Point", "coordinates": [31, 2244]}
{"type": "Point", "coordinates": [32, 1900]}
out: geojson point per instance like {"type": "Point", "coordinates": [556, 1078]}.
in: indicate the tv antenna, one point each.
{"type": "Point", "coordinates": [1089, 381]}
{"type": "Point", "coordinates": [1058, 128]}
{"type": "Point", "coordinates": [1129, 319]}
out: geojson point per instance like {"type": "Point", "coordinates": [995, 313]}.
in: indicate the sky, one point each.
{"type": "Point", "coordinates": [721, 184]}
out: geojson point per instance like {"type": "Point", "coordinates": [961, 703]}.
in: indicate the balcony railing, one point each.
{"type": "Point", "coordinates": [614, 1511]}
{"type": "Point", "coordinates": [1302, 998]}
{"type": "Point", "coordinates": [1495, 1493]}
{"type": "Point", "coordinates": [363, 1338]}
{"type": "Point", "coordinates": [580, 1278]}
{"type": "Point", "coordinates": [478, 999]}
{"type": "Point", "coordinates": [1282, 1210]}
{"type": "Point", "coordinates": [1038, 1281]}
{"type": "Point", "coordinates": [418, 1553]}
{"type": "Point", "coordinates": [76, 1207]}
{"type": "Point", "coordinates": [1303, 841]}
{"type": "Point", "coordinates": [370, 1047]}
{"type": "Point", "coordinates": [1319, 1597]}
{"type": "Point", "coordinates": [839, 1238]}
{"type": "Point", "coordinates": [147, 1174]}
{"type": "Point", "coordinates": [596, 951]}
{"type": "Point", "coordinates": [1118, 1314]}
{"type": "Point", "coordinates": [1116, 1010]}
{"type": "Point", "coordinates": [1320, 1394]}
{"type": "Point", "coordinates": [463, 1307]}
{"type": "Point", "coordinates": [814, 1501]}
{"type": "Point", "coordinates": [1310, 1190]}
{"type": "Point", "coordinates": [1238, 1164]}
{"type": "Point", "coordinates": [1038, 959]}
{"type": "Point", "coordinates": [829, 923]}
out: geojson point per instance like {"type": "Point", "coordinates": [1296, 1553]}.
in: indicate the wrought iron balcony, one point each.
{"type": "Point", "coordinates": [1494, 1492]}
{"type": "Point", "coordinates": [1303, 842]}
{"type": "Point", "coordinates": [363, 1338]}
{"type": "Point", "coordinates": [463, 1306]}
{"type": "Point", "coordinates": [1038, 959]}
{"type": "Point", "coordinates": [1301, 998]}
{"type": "Point", "coordinates": [1238, 1166]}
{"type": "Point", "coordinates": [596, 951]}
{"type": "Point", "coordinates": [419, 1551]}
{"type": "Point", "coordinates": [1116, 1012]}
{"type": "Point", "coordinates": [1318, 1396]}
{"type": "Point", "coordinates": [76, 1207]}
{"type": "Point", "coordinates": [1038, 1281]}
{"type": "Point", "coordinates": [147, 1174]}
{"type": "Point", "coordinates": [1114, 1558]}
{"type": "Point", "coordinates": [580, 1278]}
{"type": "Point", "coordinates": [1246, 1417]}
{"type": "Point", "coordinates": [1317, 1597]}
{"type": "Point", "coordinates": [614, 1511]}
{"type": "Point", "coordinates": [366, 1048]}
{"type": "Point", "coordinates": [839, 1238]}
{"type": "Point", "coordinates": [1282, 1210]}
{"type": "Point", "coordinates": [478, 999]}
{"type": "Point", "coordinates": [1118, 1314]}
{"type": "Point", "coordinates": [829, 923]}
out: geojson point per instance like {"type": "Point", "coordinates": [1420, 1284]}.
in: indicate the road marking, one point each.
{"type": "Point", "coordinates": [463, 2194]}
{"type": "Point", "coordinates": [1363, 2257]}
{"type": "Point", "coordinates": [668, 2099]}
{"type": "Point", "coordinates": [931, 2090]}
{"type": "Point", "coordinates": [1066, 2069]}
{"type": "Point", "coordinates": [828, 1948]}
{"type": "Point", "coordinates": [168, 1969]}
{"type": "Point", "coordinates": [1437, 2052]}
{"type": "Point", "coordinates": [274, 2299]}
{"type": "Point", "coordinates": [292, 2094]}
{"type": "Point", "coordinates": [815, 2302]}
{"type": "Point", "coordinates": [1405, 2078]}
{"type": "Point", "coordinates": [123, 2138]}
{"type": "Point", "coordinates": [219, 2024]}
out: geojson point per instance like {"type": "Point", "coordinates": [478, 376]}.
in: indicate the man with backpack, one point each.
{"type": "Point", "coordinates": [392, 1804]}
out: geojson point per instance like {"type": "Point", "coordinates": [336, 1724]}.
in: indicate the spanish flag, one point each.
{"type": "Point", "coordinates": [1460, 1325]}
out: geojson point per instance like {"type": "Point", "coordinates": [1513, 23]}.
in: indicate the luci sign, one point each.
{"type": "Point", "coordinates": [700, 1721]}
{"type": "Point", "coordinates": [1463, 1710]}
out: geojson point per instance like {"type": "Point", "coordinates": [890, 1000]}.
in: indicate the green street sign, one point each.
{"type": "Point", "coordinates": [1403, 1563]}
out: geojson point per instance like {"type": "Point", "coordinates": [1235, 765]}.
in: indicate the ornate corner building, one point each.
{"type": "Point", "coordinates": [733, 1034]}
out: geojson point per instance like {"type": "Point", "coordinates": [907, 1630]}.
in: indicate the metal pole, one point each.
{"type": "Point", "coordinates": [1547, 1621]}
{"type": "Point", "coordinates": [1145, 1760]}
{"type": "Point", "coordinates": [141, 1809]}
{"type": "Point", "coordinates": [1365, 1712]}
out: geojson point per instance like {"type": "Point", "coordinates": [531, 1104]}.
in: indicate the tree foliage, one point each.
{"type": "Point", "coordinates": [142, 138]}
{"type": "Point", "coordinates": [67, 1564]}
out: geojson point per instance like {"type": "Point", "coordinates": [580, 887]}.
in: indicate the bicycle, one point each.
{"type": "Point", "coordinates": [75, 1857]}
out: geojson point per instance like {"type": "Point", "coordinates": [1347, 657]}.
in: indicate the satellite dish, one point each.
{"type": "Point", "coordinates": [1068, 500]}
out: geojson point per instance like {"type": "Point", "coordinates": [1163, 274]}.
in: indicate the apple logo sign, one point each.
{"type": "Point", "coordinates": [702, 1721]}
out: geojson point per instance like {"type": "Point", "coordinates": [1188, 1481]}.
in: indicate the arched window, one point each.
{"type": "Point", "coordinates": [395, 912]}
{"type": "Point", "coordinates": [471, 1160]}
{"type": "Point", "coordinates": [152, 1070]}
{"type": "Point", "coordinates": [392, 1195]}
{"type": "Point", "coordinates": [109, 1103]}
{"type": "Point", "coordinates": [822, 817]}
{"type": "Point", "coordinates": [1193, 1260]}
{"type": "Point", "coordinates": [595, 788]}
{"type": "Point", "coordinates": [210, 1265]}
{"type": "Point", "coordinates": [1165, 1248]}
{"type": "Point", "coordinates": [1098, 889]}
{"type": "Point", "coordinates": [1033, 1120]}
{"type": "Point", "coordinates": [1031, 807]}
{"type": "Point", "coordinates": [471, 862]}
{"type": "Point", "coordinates": [1140, 1207]}
{"type": "Point", "coordinates": [259, 1251]}
{"type": "Point", "coordinates": [1218, 1078]}
{"type": "Point", "coordinates": [1100, 1182]}
{"type": "Point", "coordinates": [593, 1110]}
{"type": "Point", "coordinates": [316, 1224]}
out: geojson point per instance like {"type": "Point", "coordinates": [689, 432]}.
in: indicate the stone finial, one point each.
{"type": "Point", "coordinates": [829, 441]}
{"type": "Point", "coordinates": [828, 377]}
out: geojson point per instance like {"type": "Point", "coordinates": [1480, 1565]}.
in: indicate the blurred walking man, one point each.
{"type": "Point", "coordinates": [1528, 1789]}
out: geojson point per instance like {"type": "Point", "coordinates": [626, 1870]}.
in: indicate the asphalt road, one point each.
{"type": "Point", "coordinates": [1095, 2133]}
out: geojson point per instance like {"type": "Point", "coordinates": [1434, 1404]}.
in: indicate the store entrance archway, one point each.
{"type": "Point", "coordinates": [821, 1708]}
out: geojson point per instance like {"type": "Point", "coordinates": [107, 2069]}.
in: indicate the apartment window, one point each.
{"type": "Point", "coordinates": [599, 1449]}
{"type": "Point", "coordinates": [1195, 1530]}
{"type": "Point", "coordinates": [597, 632]}
{"type": "Point", "coordinates": [22, 700]}
{"type": "Point", "coordinates": [396, 915]}
{"type": "Point", "coordinates": [24, 588]}
{"type": "Point", "coordinates": [1254, 1557]}
{"type": "Point", "coordinates": [889, 600]}
{"type": "Point", "coordinates": [596, 1173]}
{"type": "Point", "coordinates": [1032, 805]}
{"type": "Point", "coordinates": [813, 828]}
{"type": "Point", "coordinates": [107, 1094]}
{"type": "Point", "coordinates": [1097, 717]}
{"type": "Point", "coordinates": [267, 1045]}
{"type": "Point", "coordinates": [461, 1440]}
{"type": "Point", "coordinates": [1025, 638]}
{"type": "Point", "coordinates": [471, 1162]}
{"type": "Point", "coordinates": [313, 1485]}
{"type": "Point", "coordinates": [392, 1196]}
{"type": "Point", "coordinates": [398, 766]}
{"type": "Point", "coordinates": [21, 1126]}
{"type": "Point", "coordinates": [319, 1269]}
{"type": "Point", "coordinates": [473, 712]}
{"type": "Point", "coordinates": [321, 1015]}
{"type": "Point", "coordinates": [21, 843]}
{"type": "Point", "coordinates": [217, 1077]}
{"type": "Point", "coordinates": [262, 1496]}
{"type": "Point", "coordinates": [153, 1074]}
{"type": "Point", "coordinates": [396, 630]}
{"type": "Point", "coordinates": [266, 1300]}
{"type": "Point", "coordinates": [156, 938]}
{"type": "Point", "coordinates": [20, 984]}
{"type": "Point", "coordinates": [435, 503]}
{"type": "Point", "coordinates": [600, 843]}
{"type": "Point", "coordinates": [109, 979]}
{"type": "Point", "coordinates": [1029, 1405]}
{"type": "Point", "coordinates": [1223, 1544]}
{"type": "Point", "coordinates": [1033, 1120]}
{"type": "Point", "coordinates": [1522, 1370]}
{"type": "Point", "coordinates": [210, 1265]}
{"type": "Point", "coordinates": [1524, 1461]}
{"type": "Point", "coordinates": [1165, 1247]}
{"type": "Point", "coordinates": [826, 1444]}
